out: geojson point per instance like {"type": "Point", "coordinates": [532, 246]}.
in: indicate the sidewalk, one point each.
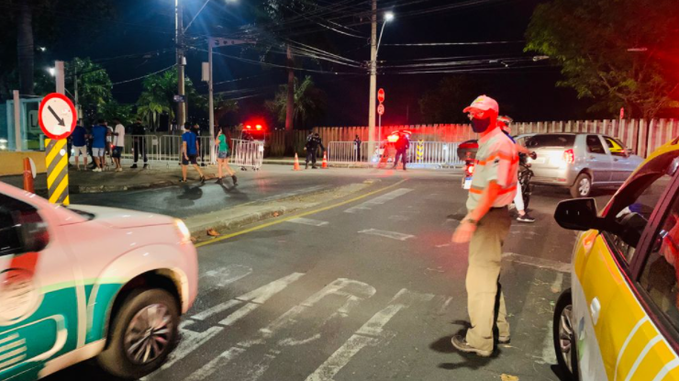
{"type": "Point", "coordinates": [109, 181]}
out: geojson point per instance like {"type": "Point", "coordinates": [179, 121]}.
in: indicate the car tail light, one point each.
{"type": "Point", "coordinates": [569, 156]}
{"type": "Point", "coordinates": [183, 230]}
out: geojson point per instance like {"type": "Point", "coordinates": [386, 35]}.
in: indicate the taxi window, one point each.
{"type": "Point", "coordinates": [11, 213]}
{"type": "Point", "coordinates": [661, 270]}
{"type": "Point", "coordinates": [634, 216]}
{"type": "Point", "coordinates": [616, 148]}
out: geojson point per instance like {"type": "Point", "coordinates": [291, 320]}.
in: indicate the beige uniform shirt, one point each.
{"type": "Point", "coordinates": [496, 160]}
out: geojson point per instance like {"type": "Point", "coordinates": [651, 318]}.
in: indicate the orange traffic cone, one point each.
{"type": "Point", "coordinates": [296, 167]}
{"type": "Point", "coordinates": [28, 176]}
{"type": "Point", "coordinates": [325, 160]}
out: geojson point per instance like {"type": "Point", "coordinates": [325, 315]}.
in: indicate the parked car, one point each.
{"type": "Point", "coordinates": [84, 282]}
{"type": "Point", "coordinates": [620, 318]}
{"type": "Point", "coordinates": [579, 162]}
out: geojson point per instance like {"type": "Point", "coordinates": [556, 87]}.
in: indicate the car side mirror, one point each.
{"type": "Point", "coordinates": [578, 214]}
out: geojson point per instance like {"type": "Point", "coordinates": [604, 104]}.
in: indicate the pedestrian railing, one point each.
{"type": "Point", "coordinates": [164, 150]}
{"type": "Point", "coordinates": [420, 154]}
{"type": "Point", "coordinates": [248, 153]}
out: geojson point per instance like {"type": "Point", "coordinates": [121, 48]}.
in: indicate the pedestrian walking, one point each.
{"type": "Point", "coordinates": [109, 144]}
{"type": "Point", "coordinates": [79, 137]}
{"type": "Point", "coordinates": [402, 145]}
{"type": "Point", "coordinates": [100, 133]}
{"type": "Point", "coordinates": [201, 151]}
{"type": "Point", "coordinates": [118, 145]}
{"type": "Point", "coordinates": [311, 148]}
{"type": "Point", "coordinates": [223, 155]}
{"type": "Point", "coordinates": [190, 153]}
{"type": "Point", "coordinates": [139, 143]}
{"type": "Point", "coordinates": [357, 148]}
{"type": "Point", "coordinates": [486, 226]}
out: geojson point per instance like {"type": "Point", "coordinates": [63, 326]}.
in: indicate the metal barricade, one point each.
{"type": "Point", "coordinates": [420, 154]}
{"type": "Point", "coordinates": [248, 153]}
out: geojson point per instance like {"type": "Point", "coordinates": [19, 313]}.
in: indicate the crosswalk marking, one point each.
{"type": "Point", "coordinates": [308, 221]}
{"type": "Point", "coordinates": [379, 200]}
{"type": "Point", "coordinates": [387, 234]}
{"type": "Point", "coordinates": [369, 334]}
{"type": "Point", "coordinates": [352, 291]}
{"type": "Point", "coordinates": [224, 276]}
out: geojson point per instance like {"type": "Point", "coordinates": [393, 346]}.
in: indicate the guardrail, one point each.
{"type": "Point", "coordinates": [420, 154]}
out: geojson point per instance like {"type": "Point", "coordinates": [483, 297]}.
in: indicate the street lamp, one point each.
{"type": "Point", "coordinates": [388, 16]}
{"type": "Point", "coordinates": [52, 71]}
{"type": "Point", "coordinates": [374, 48]}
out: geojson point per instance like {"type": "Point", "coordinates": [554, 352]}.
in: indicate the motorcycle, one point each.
{"type": "Point", "coordinates": [525, 175]}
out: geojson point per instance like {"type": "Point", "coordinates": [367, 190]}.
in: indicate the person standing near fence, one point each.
{"type": "Point", "coordinates": [402, 145]}
{"type": "Point", "coordinates": [190, 153]}
{"type": "Point", "coordinates": [100, 133]}
{"type": "Point", "coordinates": [311, 148]}
{"type": "Point", "coordinates": [357, 148]}
{"type": "Point", "coordinates": [118, 144]}
{"type": "Point", "coordinates": [139, 143]}
{"type": "Point", "coordinates": [79, 137]}
{"type": "Point", "coordinates": [223, 155]}
{"type": "Point", "coordinates": [201, 149]}
{"type": "Point", "coordinates": [486, 226]}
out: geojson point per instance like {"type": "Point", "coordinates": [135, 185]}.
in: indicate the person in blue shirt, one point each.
{"type": "Point", "coordinates": [99, 134]}
{"type": "Point", "coordinates": [190, 153]}
{"type": "Point", "coordinates": [79, 138]}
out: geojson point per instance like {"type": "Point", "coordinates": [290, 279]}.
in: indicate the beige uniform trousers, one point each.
{"type": "Point", "coordinates": [483, 274]}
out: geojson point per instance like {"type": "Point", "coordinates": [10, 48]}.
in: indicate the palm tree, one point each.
{"type": "Point", "coordinates": [158, 96]}
{"type": "Point", "coordinates": [309, 103]}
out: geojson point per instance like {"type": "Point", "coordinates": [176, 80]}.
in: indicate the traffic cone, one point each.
{"type": "Point", "coordinates": [28, 176]}
{"type": "Point", "coordinates": [325, 160]}
{"type": "Point", "coordinates": [296, 167]}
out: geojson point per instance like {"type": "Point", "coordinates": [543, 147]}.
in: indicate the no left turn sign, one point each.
{"type": "Point", "coordinates": [57, 116]}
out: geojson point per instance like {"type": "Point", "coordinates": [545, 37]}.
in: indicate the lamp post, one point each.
{"type": "Point", "coordinates": [374, 48]}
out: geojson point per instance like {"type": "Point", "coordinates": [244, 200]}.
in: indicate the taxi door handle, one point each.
{"type": "Point", "coordinates": [595, 310]}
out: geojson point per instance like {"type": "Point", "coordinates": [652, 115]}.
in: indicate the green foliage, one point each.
{"type": "Point", "coordinates": [94, 84]}
{"type": "Point", "coordinates": [158, 97]}
{"type": "Point", "coordinates": [114, 110]}
{"type": "Point", "coordinates": [309, 103]}
{"type": "Point", "coordinates": [444, 103]}
{"type": "Point", "coordinates": [591, 40]}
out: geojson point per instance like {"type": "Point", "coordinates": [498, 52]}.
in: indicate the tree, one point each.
{"type": "Point", "coordinates": [309, 103]}
{"type": "Point", "coordinates": [94, 84]}
{"type": "Point", "coordinates": [444, 103]}
{"type": "Point", "coordinates": [31, 19]}
{"type": "Point", "coordinates": [223, 107]}
{"type": "Point", "coordinates": [158, 97]}
{"type": "Point", "coordinates": [114, 110]}
{"type": "Point", "coordinates": [591, 40]}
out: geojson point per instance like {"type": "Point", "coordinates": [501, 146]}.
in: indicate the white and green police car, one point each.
{"type": "Point", "coordinates": [89, 282]}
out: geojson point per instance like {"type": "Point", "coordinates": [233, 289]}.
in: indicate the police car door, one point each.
{"type": "Point", "coordinates": [38, 304]}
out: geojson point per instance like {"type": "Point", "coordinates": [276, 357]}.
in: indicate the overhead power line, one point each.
{"type": "Point", "coordinates": [459, 43]}
{"type": "Point", "coordinates": [144, 76]}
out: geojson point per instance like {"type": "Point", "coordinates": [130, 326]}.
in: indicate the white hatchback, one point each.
{"type": "Point", "coordinates": [84, 282]}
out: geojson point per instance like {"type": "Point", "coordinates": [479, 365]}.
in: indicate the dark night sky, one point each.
{"type": "Point", "coordinates": [148, 26]}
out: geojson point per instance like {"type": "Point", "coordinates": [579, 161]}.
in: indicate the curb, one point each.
{"type": "Point", "coordinates": [198, 230]}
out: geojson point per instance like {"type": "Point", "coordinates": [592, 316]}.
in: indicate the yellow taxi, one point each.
{"type": "Point", "coordinates": [620, 318]}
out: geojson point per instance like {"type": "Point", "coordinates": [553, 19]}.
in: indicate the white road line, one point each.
{"type": "Point", "coordinates": [369, 334]}
{"type": "Point", "coordinates": [257, 296]}
{"type": "Point", "coordinates": [192, 340]}
{"type": "Point", "coordinates": [538, 262]}
{"type": "Point", "coordinates": [558, 283]}
{"type": "Point", "coordinates": [387, 234]}
{"type": "Point", "coordinates": [548, 355]}
{"type": "Point", "coordinates": [352, 291]}
{"type": "Point", "coordinates": [308, 221]}
{"type": "Point", "coordinates": [224, 276]}
{"type": "Point", "coordinates": [379, 200]}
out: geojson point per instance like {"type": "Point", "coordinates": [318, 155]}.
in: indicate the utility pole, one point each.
{"type": "Point", "coordinates": [60, 77]}
{"type": "Point", "coordinates": [211, 100]}
{"type": "Point", "coordinates": [373, 81]}
{"type": "Point", "coordinates": [179, 41]}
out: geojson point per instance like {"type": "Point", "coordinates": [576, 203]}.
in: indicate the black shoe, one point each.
{"type": "Point", "coordinates": [306, 166]}
{"type": "Point", "coordinates": [219, 181]}
{"type": "Point", "coordinates": [202, 180]}
{"type": "Point", "coordinates": [183, 181]}
{"type": "Point", "coordinates": [235, 180]}
{"type": "Point", "coordinates": [314, 167]}
{"type": "Point", "coordinates": [134, 166]}
{"type": "Point", "coordinates": [526, 218]}
{"type": "Point", "coordinates": [146, 166]}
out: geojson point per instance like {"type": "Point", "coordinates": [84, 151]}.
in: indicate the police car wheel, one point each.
{"type": "Point", "coordinates": [142, 334]}
{"type": "Point", "coordinates": [565, 344]}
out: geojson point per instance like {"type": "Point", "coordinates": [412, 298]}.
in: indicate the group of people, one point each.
{"type": "Point", "coordinates": [191, 148]}
{"type": "Point", "coordinates": [99, 142]}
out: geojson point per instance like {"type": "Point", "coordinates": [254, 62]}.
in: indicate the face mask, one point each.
{"type": "Point", "coordinates": [480, 125]}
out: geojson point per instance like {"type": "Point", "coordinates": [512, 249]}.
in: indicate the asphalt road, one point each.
{"type": "Point", "coordinates": [370, 289]}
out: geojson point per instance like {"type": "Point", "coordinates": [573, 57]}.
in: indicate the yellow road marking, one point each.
{"type": "Point", "coordinates": [278, 221]}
